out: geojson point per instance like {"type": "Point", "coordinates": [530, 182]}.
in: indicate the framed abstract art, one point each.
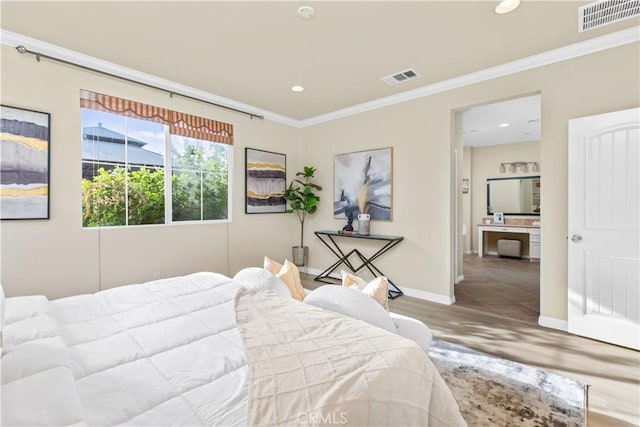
{"type": "Point", "coordinates": [363, 183]}
{"type": "Point", "coordinates": [265, 181]}
{"type": "Point", "coordinates": [24, 163]}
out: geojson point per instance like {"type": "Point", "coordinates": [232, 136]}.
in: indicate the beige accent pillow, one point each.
{"type": "Point", "coordinates": [271, 266]}
{"type": "Point", "coordinates": [376, 288]}
{"type": "Point", "coordinates": [289, 274]}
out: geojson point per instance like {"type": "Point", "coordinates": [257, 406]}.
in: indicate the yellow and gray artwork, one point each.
{"type": "Point", "coordinates": [24, 164]}
{"type": "Point", "coordinates": [266, 175]}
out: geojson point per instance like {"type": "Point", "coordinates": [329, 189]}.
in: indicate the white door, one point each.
{"type": "Point", "coordinates": [604, 227]}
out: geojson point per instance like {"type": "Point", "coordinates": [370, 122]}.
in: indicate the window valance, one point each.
{"type": "Point", "coordinates": [179, 123]}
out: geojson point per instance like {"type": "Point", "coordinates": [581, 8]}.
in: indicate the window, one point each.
{"type": "Point", "coordinates": [199, 174]}
{"type": "Point", "coordinates": [122, 170]}
{"type": "Point", "coordinates": [148, 170]}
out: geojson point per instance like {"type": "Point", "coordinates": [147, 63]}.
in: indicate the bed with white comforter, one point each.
{"type": "Point", "coordinates": [202, 350]}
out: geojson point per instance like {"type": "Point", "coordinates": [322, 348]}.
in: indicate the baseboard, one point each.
{"type": "Point", "coordinates": [470, 252]}
{"type": "Point", "coordinates": [553, 323]}
{"type": "Point", "coordinates": [459, 279]}
{"type": "Point", "coordinates": [410, 292]}
{"type": "Point", "coordinates": [315, 272]}
{"type": "Point", "coordinates": [429, 296]}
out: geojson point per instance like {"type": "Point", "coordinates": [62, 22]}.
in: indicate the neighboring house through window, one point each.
{"type": "Point", "coordinates": [127, 176]}
{"type": "Point", "coordinates": [102, 147]}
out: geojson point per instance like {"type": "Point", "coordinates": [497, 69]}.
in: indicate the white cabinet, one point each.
{"type": "Point", "coordinates": [534, 244]}
{"type": "Point", "coordinates": [533, 232]}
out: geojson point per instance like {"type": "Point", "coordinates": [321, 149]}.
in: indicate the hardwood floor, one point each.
{"type": "Point", "coordinates": [613, 373]}
{"type": "Point", "coordinates": [506, 286]}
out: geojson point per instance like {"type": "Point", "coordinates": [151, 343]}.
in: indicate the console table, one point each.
{"type": "Point", "coordinates": [329, 240]}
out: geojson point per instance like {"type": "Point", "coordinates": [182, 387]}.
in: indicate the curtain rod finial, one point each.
{"type": "Point", "coordinates": [21, 49]}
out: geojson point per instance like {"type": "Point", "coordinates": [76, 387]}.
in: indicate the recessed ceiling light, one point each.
{"type": "Point", "coordinates": [507, 6]}
{"type": "Point", "coordinates": [505, 125]}
{"type": "Point", "coordinates": [297, 88]}
{"type": "Point", "coordinates": [306, 12]}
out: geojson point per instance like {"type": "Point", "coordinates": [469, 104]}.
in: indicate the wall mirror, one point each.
{"type": "Point", "coordinates": [514, 196]}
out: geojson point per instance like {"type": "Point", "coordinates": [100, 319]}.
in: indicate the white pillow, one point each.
{"type": "Point", "coordinates": [260, 279]}
{"type": "Point", "coordinates": [413, 329]}
{"type": "Point", "coordinates": [352, 303]}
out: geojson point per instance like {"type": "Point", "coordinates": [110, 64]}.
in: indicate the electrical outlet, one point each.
{"type": "Point", "coordinates": [156, 275]}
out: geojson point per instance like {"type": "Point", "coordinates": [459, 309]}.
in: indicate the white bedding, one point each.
{"type": "Point", "coordinates": [166, 352]}
{"type": "Point", "coordinates": [310, 365]}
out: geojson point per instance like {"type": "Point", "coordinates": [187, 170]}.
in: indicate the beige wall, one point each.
{"type": "Point", "coordinates": [421, 134]}
{"type": "Point", "coordinates": [485, 164]}
{"type": "Point", "coordinates": [57, 257]}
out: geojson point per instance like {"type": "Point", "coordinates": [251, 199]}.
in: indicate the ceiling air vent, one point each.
{"type": "Point", "coordinates": [597, 14]}
{"type": "Point", "coordinates": [402, 76]}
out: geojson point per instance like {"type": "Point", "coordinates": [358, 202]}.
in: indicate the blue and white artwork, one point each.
{"type": "Point", "coordinates": [24, 164]}
{"type": "Point", "coordinates": [363, 184]}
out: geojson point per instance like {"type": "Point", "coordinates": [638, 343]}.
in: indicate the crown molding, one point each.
{"type": "Point", "coordinates": [586, 47]}
{"type": "Point", "coordinates": [13, 39]}
{"type": "Point", "coordinates": [597, 44]}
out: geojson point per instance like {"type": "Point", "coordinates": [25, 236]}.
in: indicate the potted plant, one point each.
{"type": "Point", "coordinates": [303, 201]}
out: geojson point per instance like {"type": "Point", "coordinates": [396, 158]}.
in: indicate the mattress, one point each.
{"type": "Point", "coordinates": [167, 352]}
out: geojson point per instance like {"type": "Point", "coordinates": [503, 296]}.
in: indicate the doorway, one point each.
{"type": "Point", "coordinates": [497, 170]}
{"type": "Point", "coordinates": [509, 287]}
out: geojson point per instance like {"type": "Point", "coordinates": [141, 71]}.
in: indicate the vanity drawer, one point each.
{"type": "Point", "coordinates": [534, 244]}
{"type": "Point", "coordinates": [534, 250]}
{"type": "Point", "coordinates": [507, 229]}
{"type": "Point", "coordinates": [534, 236]}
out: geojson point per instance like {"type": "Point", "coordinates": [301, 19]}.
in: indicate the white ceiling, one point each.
{"type": "Point", "coordinates": [481, 125]}
{"type": "Point", "coordinates": [253, 52]}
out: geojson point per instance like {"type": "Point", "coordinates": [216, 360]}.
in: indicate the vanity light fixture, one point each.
{"type": "Point", "coordinates": [524, 167]}
{"type": "Point", "coordinates": [506, 6]}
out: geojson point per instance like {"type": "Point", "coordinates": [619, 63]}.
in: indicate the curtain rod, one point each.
{"type": "Point", "coordinates": [38, 55]}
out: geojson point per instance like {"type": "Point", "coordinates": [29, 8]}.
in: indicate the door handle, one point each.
{"type": "Point", "coordinates": [576, 238]}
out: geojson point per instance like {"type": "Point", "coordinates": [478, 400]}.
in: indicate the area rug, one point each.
{"type": "Point", "coordinates": [497, 392]}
